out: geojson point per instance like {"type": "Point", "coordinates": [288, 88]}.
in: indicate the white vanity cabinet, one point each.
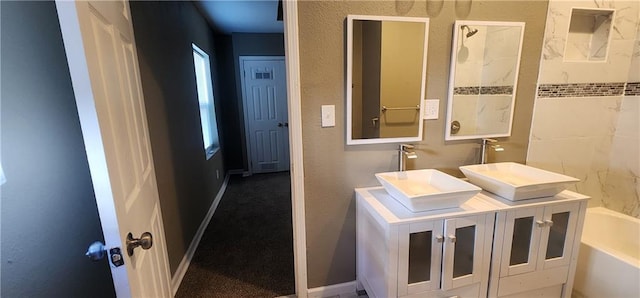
{"type": "Point", "coordinates": [439, 253]}
{"type": "Point", "coordinates": [488, 247]}
{"type": "Point", "coordinates": [536, 246]}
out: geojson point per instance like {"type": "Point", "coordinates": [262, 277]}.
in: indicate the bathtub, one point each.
{"type": "Point", "coordinates": [609, 259]}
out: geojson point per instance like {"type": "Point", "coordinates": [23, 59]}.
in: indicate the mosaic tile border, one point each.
{"type": "Point", "coordinates": [581, 90]}
{"type": "Point", "coordinates": [474, 90]}
{"type": "Point", "coordinates": [632, 89]}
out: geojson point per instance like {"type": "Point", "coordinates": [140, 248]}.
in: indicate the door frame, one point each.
{"type": "Point", "coordinates": [296, 160]}
{"type": "Point", "coordinates": [245, 109]}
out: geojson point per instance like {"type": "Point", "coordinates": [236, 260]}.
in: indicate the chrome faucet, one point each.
{"type": "Point", "coordinates": [485, 143]}
{"type": "Point", "coordinates": [403, 154]}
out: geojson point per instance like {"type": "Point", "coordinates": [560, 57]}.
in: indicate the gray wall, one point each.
{"type": "Point", "coordinates": [226, 95]}
{"type": "Point", "coordinates": [187, 182]}
{"type": "Point", "coordinates": [333, 170]}
{"type": "Point", "coordinates": [49, 215]}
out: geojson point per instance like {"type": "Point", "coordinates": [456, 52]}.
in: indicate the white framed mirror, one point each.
{"type": "Point", "coordinates": [485, 62]}
{"type": "Point", "coordinates": [386, 73]}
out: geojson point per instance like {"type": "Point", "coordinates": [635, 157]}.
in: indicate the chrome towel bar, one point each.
{"type": "Point", "coordinates": [384, 108]}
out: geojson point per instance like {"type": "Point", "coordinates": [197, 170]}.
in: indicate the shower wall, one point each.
{"type": "Point", "coordinates": [585, 121]}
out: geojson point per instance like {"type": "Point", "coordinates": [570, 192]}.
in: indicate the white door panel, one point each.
{"type": "Point", "coordinates": [100, 46]}
{"type": "Point", "coordinates": [266, 117]}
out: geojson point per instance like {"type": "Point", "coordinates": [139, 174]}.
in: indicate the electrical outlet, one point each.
{"type": "Point", "coordinates": [431, 109]}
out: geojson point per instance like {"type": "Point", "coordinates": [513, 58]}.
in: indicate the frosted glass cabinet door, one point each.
{"type": "Point", "coordinates": [556, 241]}
{"type": "Point", "coordinates": [419, 257]}
{"type": "Point", "coordinates": [522, 237]}
{"type": "Point", "coordinates": [463, 251]}
{"type": "Point", "coordinates": [538, 238]}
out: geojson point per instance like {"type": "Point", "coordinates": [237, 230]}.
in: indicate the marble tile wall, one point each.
{"type": "Point", "coordinates": [622, 186]}
{"type": "Point", "coordinates": [591, 136]}
{"type": "Point", "coordinates": [481, 65]}
{"type": "Point", "coordinates": [482, 114]}
{"type": "Point", "coordinates": [556, 70]}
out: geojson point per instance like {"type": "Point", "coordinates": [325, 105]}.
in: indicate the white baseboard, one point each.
{"type": "Point", "coordinates": [332, 290]}
{"type": "Point", "coordinates": [186, 260]}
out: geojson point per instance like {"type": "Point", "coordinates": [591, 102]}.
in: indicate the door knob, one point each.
{"type": "Point", "coordinates": [145, 241]}
{"type": "Point", "coordinates": [286, 124]}
{"type": "Point", "coordinates": [280, 124]}
{"type": "Point", "coordinates": [96, 251]}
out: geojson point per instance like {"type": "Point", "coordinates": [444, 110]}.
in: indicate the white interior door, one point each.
{"type": "Point", "coordinates": [100, 46]}
{"type": "Point", "coordinates": [266, 120]}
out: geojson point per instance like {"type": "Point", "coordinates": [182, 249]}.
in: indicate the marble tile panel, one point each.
{"type": "Point", "coordinates": [566, 156]}
{"type": "Point", "coordinates": [624, 155]}
{"type": "Point", "coordinates": [628, 124]}
{"type": "Point", "coordinates": [622, 194]}
{"type": "Point", "coordinates": [553, 67]}
{"type": "Point", "coordinates": [499, 71]}
{"type": "Point", "coordinates": [493, 114]}
{"type": "Point", "coordinates": [582, 158]}
{"type": "Point", "coordinates": [614, 69]}
{"type": "Point", "coordinates": [465, 112]}
{"type": "Point", "coordinates": [634, 70]}
{"type": "Point", "coordinates": [574, 117]}
{"type": "Point", "coordinates": [593, 185]}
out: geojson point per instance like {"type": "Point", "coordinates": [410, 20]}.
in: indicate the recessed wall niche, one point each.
{"type": "Point", "coordinates": [589, 34]}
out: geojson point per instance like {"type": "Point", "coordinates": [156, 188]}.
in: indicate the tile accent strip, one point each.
{"type": "Point", "coordinates": [473, 90]}
{"type": "Point", "coordinates": [580, 90]}
{"type": "Point", "coordinates": [632, 89]}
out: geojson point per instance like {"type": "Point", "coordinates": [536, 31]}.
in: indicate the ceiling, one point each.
{"type": "Point", "coordinates": [246, 16]}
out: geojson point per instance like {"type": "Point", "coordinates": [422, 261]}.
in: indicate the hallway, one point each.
{"type": "Point", "coordinates": [247, 249]}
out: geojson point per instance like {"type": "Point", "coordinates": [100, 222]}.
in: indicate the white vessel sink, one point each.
{"type": "Point", "coordinates": [424, 190]}
{"type": "Point", "coordinates": [514, 181]}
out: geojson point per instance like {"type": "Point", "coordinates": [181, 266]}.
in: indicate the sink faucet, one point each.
{"type": "Point", "coordinates": [483, 152]}
{"type": "Point", "coordinates": [403, 154]}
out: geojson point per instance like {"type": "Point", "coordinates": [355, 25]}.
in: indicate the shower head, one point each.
{"type": "Point", "coordinates": [470, 32]}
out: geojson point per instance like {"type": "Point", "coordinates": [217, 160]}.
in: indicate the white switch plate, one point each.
{"type": "Point", "coordinates": [328, 115]}
{"type": "Point", "coordinates": [431, 109]}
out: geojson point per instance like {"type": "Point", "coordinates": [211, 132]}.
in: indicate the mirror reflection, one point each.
{"type": "Point", "coordinates": [386, 62]}
{"type": "Point", "coordinates": [482, 85]}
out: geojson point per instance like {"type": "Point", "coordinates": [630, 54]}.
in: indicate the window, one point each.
{"type": "Point", "coordinates": [205, 100]}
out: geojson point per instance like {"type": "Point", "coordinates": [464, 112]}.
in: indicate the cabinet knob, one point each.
{"type": "Point", "coordinates": [452, 238]}
{"type": "Point", "coordinates": [540, 223]}
{"type": "Point", "coordinates": [548, 223]}
{"type": "Point", "coordinates": [439, 238]}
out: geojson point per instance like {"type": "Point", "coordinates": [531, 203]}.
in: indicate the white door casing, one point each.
{"type": "Point", "coordinates": [103, 63]}
{"type": "Point", "coordinates": [264, 96]}
{"type": "Point", "coordinates": [294, 102]}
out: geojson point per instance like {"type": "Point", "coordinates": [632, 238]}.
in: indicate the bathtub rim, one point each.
{"type": "Point", "coordinates": [614, 253]}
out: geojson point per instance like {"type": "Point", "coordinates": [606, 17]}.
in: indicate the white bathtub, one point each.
{"type": "Point", "coordinates": [609, 260]}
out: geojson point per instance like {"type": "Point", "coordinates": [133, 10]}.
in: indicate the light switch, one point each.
{"type": "Point", "coordinates": [328, 115]}
{"type": "Point", "coordinates": [431, 109]}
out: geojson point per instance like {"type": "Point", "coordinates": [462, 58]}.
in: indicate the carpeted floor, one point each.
{"type": "Point", "coordinates": [247, 249]}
